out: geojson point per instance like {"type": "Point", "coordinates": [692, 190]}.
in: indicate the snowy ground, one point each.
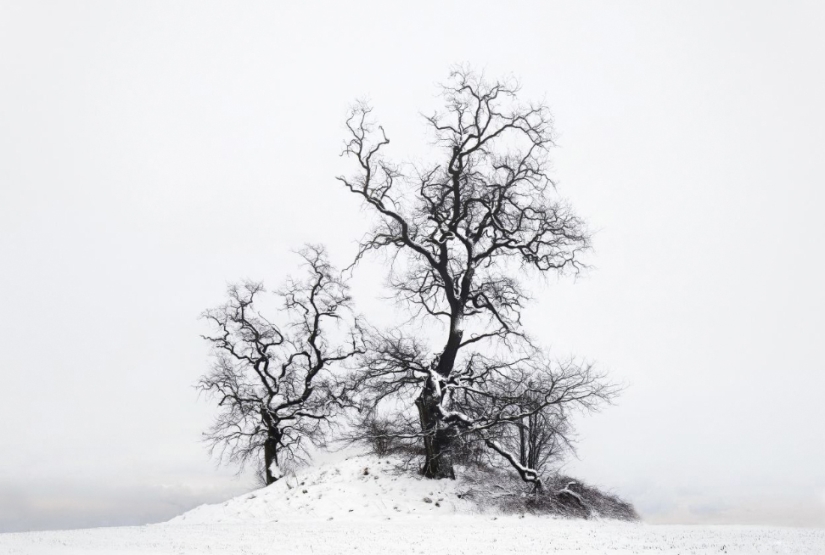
{"type": "Point", "coordinates": [363, 505]}
{"type": "Point", "coordinates": [455, 535]}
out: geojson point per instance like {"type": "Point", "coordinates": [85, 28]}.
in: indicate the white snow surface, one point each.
{"type": "Point", "coordinates": [353, 489]}
{"type": "Point", "coordinates": [365, 505]}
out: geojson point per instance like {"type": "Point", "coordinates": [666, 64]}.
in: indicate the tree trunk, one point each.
{"type": "Point", "coordinates": [532, 446]}
{"type": "Point", "coordinates": [522, 436]}
{"type": "Point", "coordinates": [447, 359]}
{"type": "Point", "coordinates": [270, 457]}
{"type": "Point", "coordinates": [439, 439]}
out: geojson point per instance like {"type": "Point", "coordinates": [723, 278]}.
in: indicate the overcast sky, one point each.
{"type": "Point", "coordinates": [151, 152]}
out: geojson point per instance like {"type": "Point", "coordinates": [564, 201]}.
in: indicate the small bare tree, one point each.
{"type": "Point", "coordinates": [543, 437]}
{"type": "Point", "coordinates": [272, 383]}
{"type": "Point", "coordinates": [461, 232]}
{"type": "Point", "coordinates": [521, 410]}
{"type": "Point", "coordinates": [544, 434]}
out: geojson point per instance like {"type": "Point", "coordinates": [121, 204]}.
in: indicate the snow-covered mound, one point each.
{"type": "Point", "coordinates": [358, 487]}
{"type": "Point", "coordinates": [367, 505]}
{"type": "Point", "coordinates": [366, 486]}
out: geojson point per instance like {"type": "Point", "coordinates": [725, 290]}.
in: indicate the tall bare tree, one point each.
{"type": "Point", "coordinates": [466, 227]}
{"type": "Point", "coordinates": [273, 383]}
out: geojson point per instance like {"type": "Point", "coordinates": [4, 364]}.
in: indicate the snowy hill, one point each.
{"type": "Point", "coordinates": [368, 505]}
{"type": "Point", "coordinates": [367, 486]}
{"type": "Point", "coordinates": [356, 488]}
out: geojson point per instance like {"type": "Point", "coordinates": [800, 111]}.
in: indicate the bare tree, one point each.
{"type": "Point", "coordinates": [543, 437]}
{"type": "Point", "coordinates": [521, 410]}
{"type": "Point", "coordinates": [544, 434]}
{"type": "Point", "coordinates": [272, 383]}
{"type": "Point", "coordinates": [461, 231]}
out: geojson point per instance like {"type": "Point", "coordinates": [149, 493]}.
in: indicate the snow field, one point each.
{"type": "Point", "coordinates": [453, 534]}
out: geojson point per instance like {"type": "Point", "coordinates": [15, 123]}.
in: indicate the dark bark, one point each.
{"type": "Point", "coordinates": [439, 438]}
{"type": "Point", "coordinates": [270, 457]}
{"type": "Point", "coordinates": [446, 361]}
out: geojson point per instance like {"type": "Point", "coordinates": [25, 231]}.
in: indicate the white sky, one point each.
{"type": "Point", "coordinates": [151, 152]}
